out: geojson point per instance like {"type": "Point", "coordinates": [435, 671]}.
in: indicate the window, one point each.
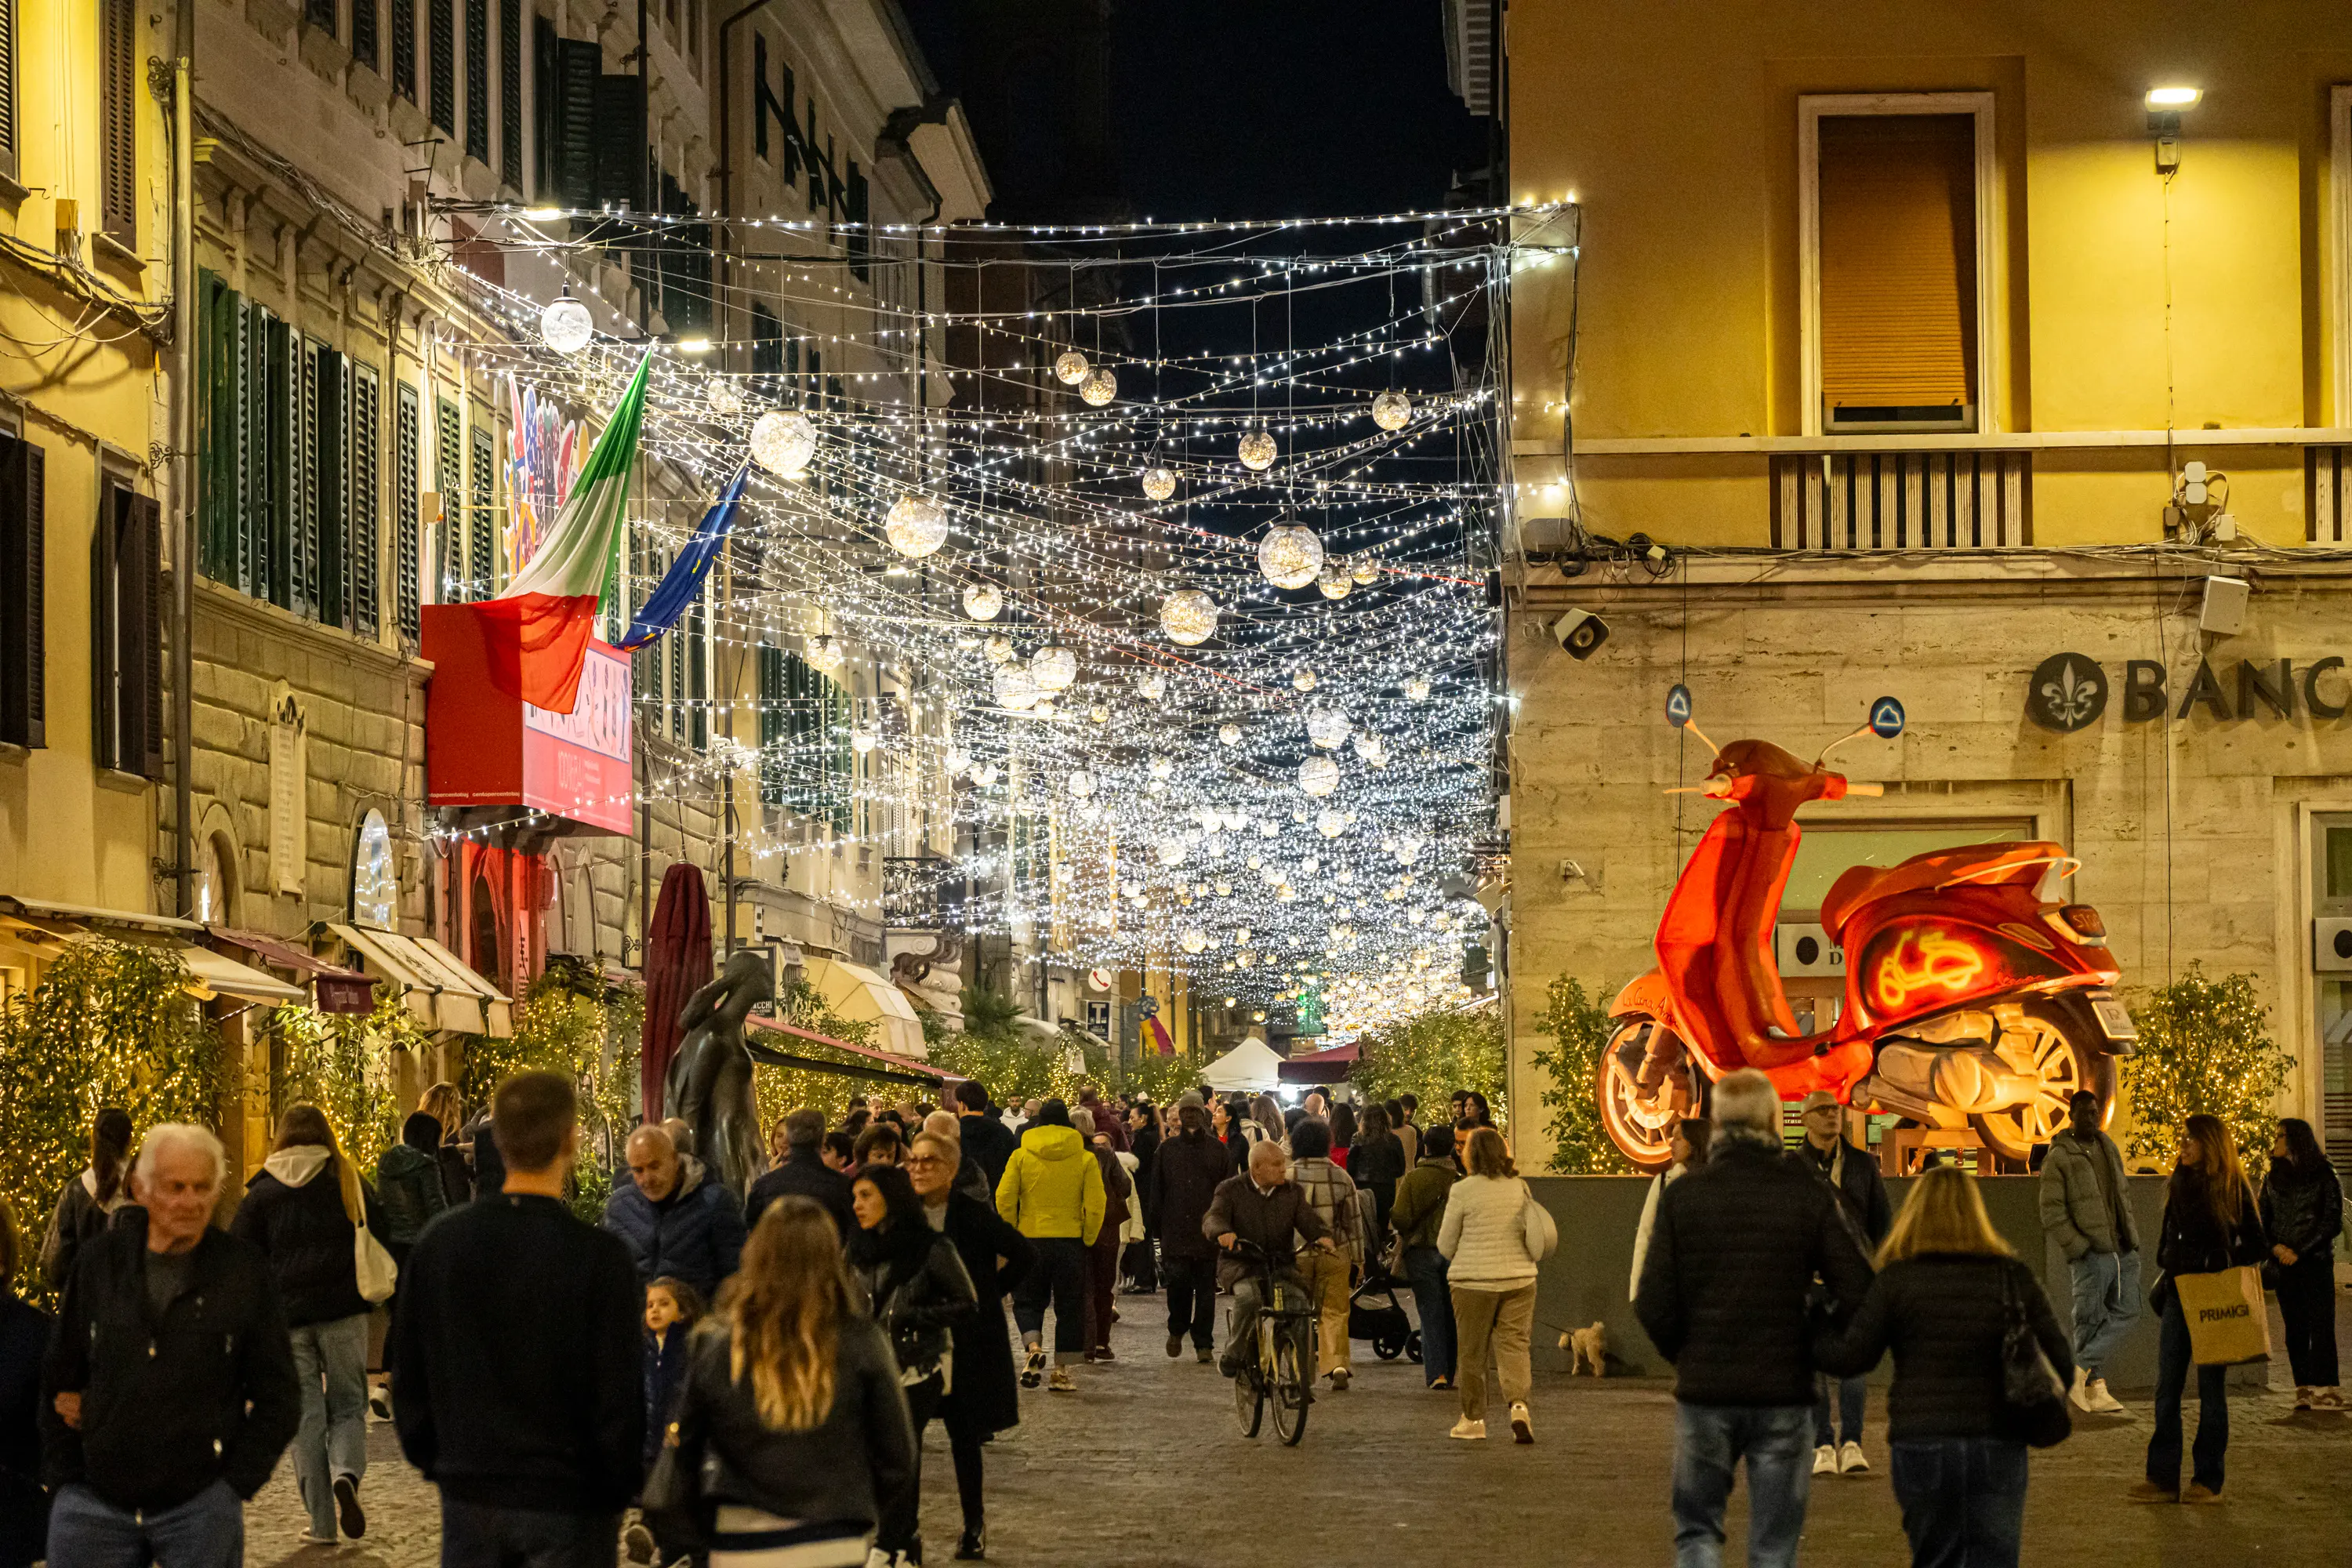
{"type": "Point", "coordinates": [477, 79]}
{"type": "Point", "coordinates": [511, 93]}
{"type": "Point", "coordinates": [806, 760]}
{"type": "Point", "coordinates": [215, 881]}
{"type": "Point", "coordinates": [375, 881]}
{"type": "Point", "coordinates": [8, 88]}
{"type": "Point", "coordinates": [481, 522]}
{"type": "Point", "coordinates": [403, 48]}
{"type": "Point", "coordinates": [126, 667]}
{"type": "Point", "coordinates": [364, 33]}
{"type": "Point", "coordinates": [2331, 888]}
{"type": "Point", "coordinates": [449, 478]}
{"type": "Point", "coordinates": [443, 25]}
{"type": "Point", "coordinates": [698, 678]}
{"type": "Point", "coordinates": [321, 14]}
{"type": "Point", "coordinates": [767, 353]}
{"type": "Point", "coordinates": [364, 442]}
{"type": "Point", "coordinates": [1897, 241]}
{"type": "Point", "coordinates": [118, 74]}
{"type": "Point", "coordinates": [23, 586]}
{"type": "Point", "coordinates": [2339, 163]}
{"type": "Point", "coordinates": [563, 115]}
{"type": "Point", "coordinates": [331, 505]}
{"type": "Point", "coordinates": [408, 556]}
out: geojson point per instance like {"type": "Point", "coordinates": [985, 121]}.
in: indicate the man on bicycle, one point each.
{"type": "Point", "coordinates": [1269, 1211]}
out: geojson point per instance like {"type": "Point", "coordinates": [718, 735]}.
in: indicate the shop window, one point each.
{"type": "Point", "coordinates": [1896, 190]}
{"type": "Point", "coordinates": [2331, 989]}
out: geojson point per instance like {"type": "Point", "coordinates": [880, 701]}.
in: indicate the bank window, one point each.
{"type": "Point", "coordinates": [1830, 848]}
{"type": "Point", "coordinates": [2331, 984]}
{"type": "Point", "coordinates": [1898, 190]}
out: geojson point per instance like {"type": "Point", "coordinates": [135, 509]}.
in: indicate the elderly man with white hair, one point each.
{"type": "Point", "coordinates": [1733, 1255]}
{"type": "Point", "coordinates": [169, 1391]}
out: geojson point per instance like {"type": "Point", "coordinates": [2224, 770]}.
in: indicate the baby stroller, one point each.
{"type": "Point", "coordinates": [1376, 1312]}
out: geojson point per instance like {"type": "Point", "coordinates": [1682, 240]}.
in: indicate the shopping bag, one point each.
{"type": "Point", "coordinates": [371, 1264]}
{"type": "Point", "coordinates": [2226, 1320]}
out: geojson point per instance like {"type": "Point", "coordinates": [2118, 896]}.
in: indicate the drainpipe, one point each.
{"type": "Point", "coordinates": [183, 466]}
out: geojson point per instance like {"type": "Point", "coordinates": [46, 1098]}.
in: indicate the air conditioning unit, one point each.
{"type": "Point", "coordinates": [1803, 949]}
{"type": "Point", "coordinates": [2331, 946]}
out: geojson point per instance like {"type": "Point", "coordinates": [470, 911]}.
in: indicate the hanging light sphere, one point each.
{"type": "Point", "coordinates": [1331, 824]}
{"type": "Point", "coordinates": [1151, 687]}
{"type": "Point", "coordinates": [1045, 709]}
{"type": "Point", "coordinates": [1193, 940]}
{"type": "Point", "coordinates": [1372, 748]}
{"type": "Point", "coordinates": [1054, 669]}
{"type": "Point", "coordinates": [1014, 690]}
{"type": "Point", "coordinates": [1081, 785]}
{"type": "Point", "coordinates": [999, 649]}
{"type": "Point", "coordinates": [1335, 581]}
{"type": "Point", "coordinates": [1329, 729]}
{"type": "Point", "coordinates": [723, 397]}
{"type": "Point", "coordinates": [1098, 713]}
{"type": "Point", "coordinates": [1319, 775]}
{"type": "Point", "coordinates": [1408, 850]}
{"type": "Point", "coordinates": [981, 602]}
{"type": "Point", "coordinates": [1099, 386]}
{"type": "Point", "coordinates": [1161, 767]}
{"type": "Point", "coordinates": [1392, 410]}
{"type": "Point", "coordinates": [956, 760]}
{"type": "Point", "coordinates": [1417, 688]}
{"type": "Point", "coordinates": [1367, 572]}
{"type": "Point", "coordinates": [861, 740]}
{"type": "Point", "coordinates": [916, 526]}
{"type": "Point", "coordinates": [1169, 851]}
{"type": "Point", "coordinates": [984, 775]}
{"type": "Point", "coordinates": [1257, 450]}
{"type": "Point", "coordinates": [1304, 681]}
{"type": "Point", "coordinates": [1229, 735]}
{"type": "Point", "coordinates": [1189, 616]}
{"type": "Point", "coordinates": [1289, 556]}
{"type": "Point", "coordinates": [566, 326]}
{"type": "Point", "coordinates": [1071, 368]}
{"type": "Point", "coordinates": [826, 654]}
{"type": "Point", "coordinates": [1159, 481]}
{"type": "Point", "coordinates": [782, 440]}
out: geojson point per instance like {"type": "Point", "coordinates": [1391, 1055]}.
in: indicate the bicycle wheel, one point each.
{"type": "Point", "coordinates": [1249, 1398]}
{"type": "Point", "coordinates": [1293, 1381]}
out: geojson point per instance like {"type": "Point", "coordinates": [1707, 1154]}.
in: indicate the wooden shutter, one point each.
{"type": "Point", "coordinates": [143, 653]}
{"type": "Point", "coordinates": [364, 49]}
{"type": "Point", "coordinates": [23, 586]}
{"type": "Point", "coordinates": [449, 476]}
{"type": "Point", "coordinates": [477, 79]}
{"type": "Point", "coordinates": [303, 530]}
{"type": "Point", "coordinates": [579, 80]}
{"type": "Point", "coordinates": [8, 88]}
{"type": "Point", "coordinates": [408, 547]}
{"type": "Point", "coordinates": [771, 724]}
{"type": "Point", "coordinates": [118, 122]}
{"type": "Point", "coordinates": [441, 24]}
{"type": "Point", "coordinates": [511, 93]}
{"type": "Point", "coordinates": [321, 14]}
{"type": "Point", "coordinates": [331, 601]}
{"type": "Point", "coordinates": [126, 632]}
{"type": "Point", "coordinates": [676, 673]}
{"type": "Point", "coordinates": [219, 423]}
{"type": "Point", "coordinates": [279, 523]}
{"type": "Point", "coordinates": [698, 678]}
{"type": "Point", "coordinates": [620, 157]}
{"type": "Point", "coordinates": [403, 48]}
{"type": "Point", "coordinates": [366, 439]}
{"type": "Point", "coordinates": [1898, 284]}
{"type": "Point", "coordinates": [481, 524]}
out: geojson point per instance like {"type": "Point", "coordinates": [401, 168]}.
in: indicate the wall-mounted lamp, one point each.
{"type": "Point", "coordinates": [2163, 107]}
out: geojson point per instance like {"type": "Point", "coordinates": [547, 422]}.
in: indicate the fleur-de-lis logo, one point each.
{"type": "Point", "coordinates": [2067, 692]}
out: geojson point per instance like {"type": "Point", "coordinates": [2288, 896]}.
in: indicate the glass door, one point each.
{"type": "Point", "coordinates": [2331, 891]}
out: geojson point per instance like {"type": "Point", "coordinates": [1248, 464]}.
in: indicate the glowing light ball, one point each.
{"type": "Point", "coordinates": [1392, 410]}
{"type": "Point", "coordinates": [1329, 729]}
{"type": "Point", "coordinates": [916, 526]}
{"type": "Point", "coordinates": [1417, 688]}
{"type": "Point", "coordinates": [861, 740]}
{"type": "Point", "coordinates": [1366, 570]}
{"type": "Point", "coordinates": [1045, 709]}
{"type": "Point", "coordinates": [1099, 388]}
{"type": "Point", "coordinates": [1014, 690]}
{"type": "Point", "coordinates": [1161, 767]}
{"type": "Point", "coordinates": [1331, 824]}
{"type": "Point", "coordinates": [1189, 616]}
{"type": "Point", "coordinates": [1054, 669]}
{"type": "Point", "coordinates": [782, 441]}
{"type": "Point", "coordinates": [1319, 775]}
{"type": "Point", "coordinates": [1071, 368]}
{"type": "Point", "coordinates": [722, 398]}
{"type": "Point", "coordinates": [1081, 785]}
{"type": "Point", "coordinates": [957, 760]}
{"type": "Point", "coordinates": [1193, 940]}
{"type": "Point", "coordinates": [1098, 713]}
{"type": "Point", "coordinates": [1304, 681]}
{"type": "Point", "coordinates": [981, 602]}
{"type": "Point", "coordinates": [1408, 850]}
{"type": "Point", "coordinates": [1257, 450]}
{"type": "Point", "coordinates": [1229, 735]}
{"type": "Point", "coordinates": [999, 649]}
{"type": "Point", "coordinates": [566, 326]}
{"type": "Point", "coordinates": [826, 654]}
{"type": "Point", "coordinates": [1152, 686]}
{"type": "Point", "coordinates": [1289, 556]}
{"type": "Point", "coordinates": [1169, 851]}
{"type": "Point", "coordinates": [1371, 748]}
{"type": "Point", "coordinates": [984, 775]}
{"type": "Point", "coordinates": [1159, 481]}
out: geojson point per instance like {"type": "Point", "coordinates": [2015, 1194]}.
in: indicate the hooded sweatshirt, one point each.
{"type": "Point", "coordinates": [1052, 1186]}
{"type": "Point", "coordinates": [293, 1210]}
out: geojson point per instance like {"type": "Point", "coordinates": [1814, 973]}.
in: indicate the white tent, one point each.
{"type": "Point", "coordinates": [1250, 1066]}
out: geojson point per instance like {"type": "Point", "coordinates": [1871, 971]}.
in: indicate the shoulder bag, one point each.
{"type": "Point", "coordinates": [1538, 1232]}
{"type": "Point", "coordinates": [372, 1266]}
{"type": "Point", "coordinates": [2034, 1398]}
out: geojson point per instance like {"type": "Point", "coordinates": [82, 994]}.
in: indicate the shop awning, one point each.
{"type": "Point", "coordinates": [889, 1069]}
{"type": "Point", "coordinates": [858, 994]}
{"type": "Point", "coordinates": [1320, 1067]}
{"type": "Point", "coordinates": [333, 989]}
{"type": "Point", "coordinates": [46, 929]}
{"type": "Point", "coordinates": [437, 987]}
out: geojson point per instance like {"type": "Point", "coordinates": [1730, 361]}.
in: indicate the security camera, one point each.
{"type": "Point", "coordinates": [1580, 632]}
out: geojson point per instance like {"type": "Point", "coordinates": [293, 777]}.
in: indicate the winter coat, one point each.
{"type": "Point", "coordinates": [1053, 1187]}
{"type": "Point", "coordinates": [1272, 1221]}
{"type": "Point", "coordinates": [1108, 1122]}
{"type": "Point", "coordinates": [1119, 1191]}
{"type": "Point", "coordinates": [2303, 1213]}
{"type": "Point", "coordinates": [915, 1292]}
{"type": "Point", "coordinates": [695, 1234]}
{"type": "Point", "coordinates": [169, 1406]}
{"type": "Point", "coordinates": [24, 1506]}
{"type": "Point", "coordinates": [1331, 1193]}
{"type": "Point", "coordinates": [983, 1397]}
{"type": "Point", "coordinates": [664, 1376]}
{"type": "Point", "coordinates": [836, 1471]}
{"type": "Point", "coordinates": [1185, 1174]}
{"type": "Point", "coordinates": [408, 1182]}
{"type": "Point", "coordinates": [2193, 1242]}
{"type": "Point", "coordinates": [2075, 1213]}
{"type": "Point", "coordinates": [1648, 1222]}
{"type": "Point", "coordinates": [78, 1216]}
{"type": "Point", "coordinates": [990, 1142]}
{"type": "Point", "coordinates": [1420, 1208]}
{"type": "Point", "coordinates": [1854, 1173]}
{"type": "Point", "coordinates": [293, 1211]}
{"type": "Point", "coordinates": [1143, 1143]}
{"type": "Point", "coordinates": [805, 1172]}
{"type": "Point", "coordinates": [1484, 1234]}
{"type": "Point", "coordinates": [1945, 1317]}
{"type": "Point", "coordinates": [1731, 1265]}
{"type": "Point", "coordinates": [1377, 1164]}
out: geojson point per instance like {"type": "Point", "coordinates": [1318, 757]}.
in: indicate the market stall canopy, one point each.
{"type": "Point", "coordinates": [861, 994]}
{"type": "Point", "coordinates": [46, 929]}
{"type": "Point", "coordinates": [1321, 1067]}
{"type": "Point", "coordinates": [437, 987]}
{"type": "Point", "coordinates": [1250, 1067]}
{"type": "Point", "coordinates": [888, 1068]}
{"type": "Point", "coordinates": [333, 989]}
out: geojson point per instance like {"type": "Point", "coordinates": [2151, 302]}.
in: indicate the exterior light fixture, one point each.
{"type": "Point", "coordinates": [2163, 107]}
{"type": "Point", "coordinates": [2174, 97]}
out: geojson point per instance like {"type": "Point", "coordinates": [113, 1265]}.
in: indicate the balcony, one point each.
{"type": "Point", "coordinates": [921, 892]}
{"type": "Point", "coordinates": [1902, 501]}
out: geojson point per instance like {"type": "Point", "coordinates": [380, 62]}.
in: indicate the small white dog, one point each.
{"type": "Point", "coordinates": [1586, 1348]}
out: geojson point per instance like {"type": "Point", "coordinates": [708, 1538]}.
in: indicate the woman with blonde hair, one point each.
{"type": "Point", "coordinates": [1941, 1301]}
{"type": "Point", "coordinates": [446, 1105]}
{"type": "Point", "coordinates": [304, 1208]}
{"type": "Point", "coordinates": [1494, 1234]}
{"type": "Point", "coordinates": [791, 1428]}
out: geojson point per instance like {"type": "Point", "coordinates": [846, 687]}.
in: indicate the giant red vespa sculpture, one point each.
{"type": "Point", "coordinates": [1969, 1000]}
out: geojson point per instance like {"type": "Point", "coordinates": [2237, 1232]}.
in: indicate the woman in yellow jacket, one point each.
{"type": "Point", "coordinates": [1052, 1191]}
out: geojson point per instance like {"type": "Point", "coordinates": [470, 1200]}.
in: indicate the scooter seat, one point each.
{"type": "Point", "coordinates": [1981, 863]}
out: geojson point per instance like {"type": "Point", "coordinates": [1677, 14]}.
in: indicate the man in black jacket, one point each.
{"type": "Point", "coordinates": [987, 1141]}
{"type": "Point", "coordinates": [1732, 1260]}
{"type": "Point", "coordinates": [1837, 1450]}
{"type": "Point", "coordinates": [1186, 1172]}
{"type": "Point", "coordinates": [169, 1391]}
{"type": "Point", "coordinates": [803, 1171]}
{"type": "Point", "coordinates": [516, 1381]}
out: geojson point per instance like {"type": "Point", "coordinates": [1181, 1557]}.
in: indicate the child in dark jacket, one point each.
{"type": "Point", "coordinates": [672, 1309]}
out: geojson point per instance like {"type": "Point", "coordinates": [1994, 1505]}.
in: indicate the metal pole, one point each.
{"type": "Point", "coordinates": [184, 469]}
{"type": "Point", "coordinates": [728, 868]}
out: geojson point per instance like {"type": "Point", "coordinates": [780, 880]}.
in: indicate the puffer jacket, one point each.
{"type": "Point", "coordinates": [2075, 1213]}
{"type": "Point", "coordinates": [408, 1182]}
{"type": "Point", "coordinates": [1331, 1194]}
{"type": "Point", "coordinates": [1052, 1186]}
{"type": "Point", "coordinates": [1944, 1316]}
{"type": "Point", "coordinates": [695, 1234]}
{"type": "Point", "coordinates": [918, 1306]}
{"type": "Point", "coordinates": [2303, 1213]}
{"type": "Point", "coordinates": [1484, 1234]}
{"type": "Point", "coordinates": [1731, 1265]}
{"type": "Point", "coordinates": [293, 1210]}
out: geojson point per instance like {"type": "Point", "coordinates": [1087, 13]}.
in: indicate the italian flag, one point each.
{"type": "Point", "coordinates": [536, 633]}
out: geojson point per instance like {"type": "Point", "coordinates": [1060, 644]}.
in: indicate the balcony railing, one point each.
{"type": "Point", "coordinates": [2327, 508]}
{"type": "Point", "coordinates": [1902, 501]}
{"type": "Point", "coordinates": [920, 892]}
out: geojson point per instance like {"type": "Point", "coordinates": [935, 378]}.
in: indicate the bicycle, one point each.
{"type": "Point", "coordinates": [1284, 1366]}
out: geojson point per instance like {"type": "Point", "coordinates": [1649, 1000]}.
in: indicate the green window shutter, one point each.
{"type": "Point", "coordinates": [119, 88]}
{"type": "Point", "coordinates": [366, 440]}
{"type": "Point", "coordinates": [477, 79]}
{"type": "Point", "coordinates": [511, 93]}
{"type": "Point", "coordinates": [303, 531]}
{"type": "Point", "coordinates": [280, 428]}
{"type": "Point", "coordinates": [403, 48]}
{"type": "Point", "coordinates": [840, 760]}
{"type": "Point", "coordinates": [408, 545]}
{"type": "Point", "coordinates": [8, 88]}
{"type": "Point", "coordinates": [771, 724]}
{"type": "Point", "coordinates": [24, 589]}
{"type": "Point", "coordinates": [442, 25]}
{"type": "Point", "coordinates": [331, 599]}
{"type": "Point", "coordinates": [217, 420]}
{"type": "Point", "coordinates": [481, 529]}
{"type": "Point", "coordinates": [697, 680]}
{"type": "Point", "coordinates": [449, 474]}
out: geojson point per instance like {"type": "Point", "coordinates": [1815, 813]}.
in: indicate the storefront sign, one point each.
{"type": "Point", "coordinates": [2069, 691]}
{"type": "Point", "coordinates": [484, 747]}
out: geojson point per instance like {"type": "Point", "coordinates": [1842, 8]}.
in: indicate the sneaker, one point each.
{"type": "Point", "coordinates": [1851, 1462]}
{"type": "Point", "coordinates": [1102, 1352]}
{"type": "Point", "coordinates": [2302, 1398]}
{"type": "Point", "coordinates": [973, 1547]}
{"type": "Point", "coordinates": [380, 1402]}
{"type": "Point", "coordinates": [1440, 1381]}
{"type": "Point", "coordinates": [1338, 1380]}
{"type": "Point", "coordinates": [1825, 1459]}
{"type": "Point", "coordinates": [312, 1538]}
{"type": "Point", "coordinates": [1203, 1355]}
{"type": "Point", "coordinates": [1468, 1430]}
{"type": "Point", "coordinates": [1523, 1426]}
{"type": "Point", "coordinates": [2328, 1399]}
{"type": "Point", "coordinates": [2193, 1492]}
{"type": "Point", "coordinates": [2081, 1392]}
{"type": "Point", "coordinates": [638, 1545]}
{"type": "Point", "coordinates": [348, 1512]}
{"type": "Point", "coordinates": [2102, 1401]}
{"type": "Point", "coordinates": [1175, 1346]}
{"type": "Point", "coordinates": [2148, 1492]}
{"type": "Point", "coordinates": [1060, 1382]}
{"type": "Point", "coordinates": [1035, 1372]}
{"type": "Point", "coordinates": [877, 1558]}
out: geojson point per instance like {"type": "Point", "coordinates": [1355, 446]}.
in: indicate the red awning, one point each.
{"type": "Point", "coordinates": [896, 1064]}
{"type": "Point", "coordinates": [333, 988]}
{"type": "Point", "coordinates": [1320, 1067]}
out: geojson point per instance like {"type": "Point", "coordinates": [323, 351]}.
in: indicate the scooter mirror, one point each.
{"type": "Point", "coordinates": [1678, 705]}
{"type": "Point", "coordinates": [1886, 717]}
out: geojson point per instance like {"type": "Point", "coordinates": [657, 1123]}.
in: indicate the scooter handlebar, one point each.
{"type": "Point", "coordinates": [1853, 788]}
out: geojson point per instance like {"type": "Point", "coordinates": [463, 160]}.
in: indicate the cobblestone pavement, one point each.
{"type": "Point", "coordinates": [1144, 1467]}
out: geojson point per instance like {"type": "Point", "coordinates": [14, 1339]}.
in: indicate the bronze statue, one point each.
{"type": "Point", "coordinates": [709, 1082]}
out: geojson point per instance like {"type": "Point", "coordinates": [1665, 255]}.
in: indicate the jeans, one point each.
{"type": "Point", "coordinates": [2106, 1299]}
{"type": "Point", "coordinates": [1241, 1328]}
{"type": "Point", "coordinates": [205, 1531]}
{"type": "Point", "coordinates": [1963, 1500]}
{"type": "Point", "coordinates": [1852, 1393]}
{"type": "Point", "coordinates": [1192, 1299]}
{"type": "Point", "coordinates": [2172, 1364]}
{"type": "Point", "coordinates": [476, 1535]}
{"type": "Point", "coordinates": [1425, 1267]}
{"type": "Point", "coordinates": [330, 1365]}
{"type": "Point", "coordinates": [1502, 1318]}
{"type": "Point", "coordinates": [1061, 1276]}
{"type": "Point", "coordinates": [1710, 1442]}
{"type": "Point", "coordinates": [1326, 1275]}
{"type": "Point", "coordinates": [902, 1525]}
{"type": "Point", "coordinates": [2306, 1298]}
